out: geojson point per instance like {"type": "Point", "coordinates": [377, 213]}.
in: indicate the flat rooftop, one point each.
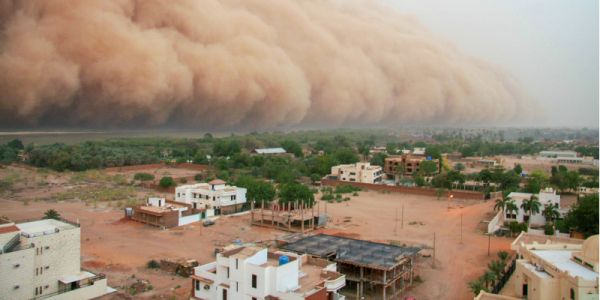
{"type": "Point", "coordinates": [358, 252]}
{"type": "Point", "coordinates": [46, 226]}
{"type": "Point", "coordinates": [562, 260]}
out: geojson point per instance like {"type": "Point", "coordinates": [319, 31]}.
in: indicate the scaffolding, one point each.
{"type": "Point", "coordinates": [373, 270]}
{"type": "Point", "coordinates": [293, 216]}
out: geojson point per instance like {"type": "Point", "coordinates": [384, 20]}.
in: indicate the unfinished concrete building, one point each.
{"type": "Point", "coordinates": [292, 217]}
{"type": "Point", "coordinates": [373, 270]}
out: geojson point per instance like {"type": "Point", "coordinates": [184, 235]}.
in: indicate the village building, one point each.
{"type": "Point", "coordinates": [358, 172]}
{"type": "Point", "coordinates": [164, 213]}
{"type": "Point", "coordinates": [546, 196]}
{"type": "Point", "coordinates": [269, 151]}
{"type": "Point", "coordinates": [42, 260]}
{"type": "Point", "coordinates": [409, 163]}
{"type": "Point", "coordinates": [372, 270]}
{"type": "Point", "coordinates": [250, 272]}
{"type": "Point", "coordinates": [214, 197]}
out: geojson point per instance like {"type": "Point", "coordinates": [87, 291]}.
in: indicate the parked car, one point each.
{"type": "Point", "coordinates": [207, 223]}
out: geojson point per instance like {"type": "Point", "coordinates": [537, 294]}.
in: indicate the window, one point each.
{"type": "Point", "coordinates": [197, 284]}
{"type": "Point", "coordinates": [254, 298]}
{"type": "Point", "coordinates": [224, 294]}
{"type": "Point", "coordinates": [254, 279]}
{"type": "Point", "coordinates": [47, 267]}
{"type": "Point", "coordinates": [17, 265]}
{"type": "Point", "coordinates": [236, 263]}
{"type": "Point", "coordinates": [227, 272]}
{"type": "Point", "coordinates": [47, 247]}
{"type": "Point", "coordinates": [572, 294]}
{"type": "Point", "coordinates": [237, 286]}
{"type": "Point", "coordinates": [16, 287]}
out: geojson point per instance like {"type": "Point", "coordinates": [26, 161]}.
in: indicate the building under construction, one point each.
{"type": "Point", "coordinates": [373, 270]}
{"type": "Point", "coordinates": [292, 217]}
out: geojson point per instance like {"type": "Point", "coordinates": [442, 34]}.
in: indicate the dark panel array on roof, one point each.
{"type": "Point", "coordinates": [359, 252]}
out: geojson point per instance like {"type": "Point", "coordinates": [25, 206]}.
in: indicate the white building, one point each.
{"type": "Point", "coordinates": [42, 259]}
{"type": "Point", "coordinates": [252, 273]}
{"type": "Point", "coordinates": [556, 269]}
{"type": "Point", "coordinates": [561, 157]}
{"type": "Point", "coordinates": [547, 196]}
{"type": "Point", "coordinates": [216, 197]}
{"type": "Point", "coordinates": [269, 151]}
{"type": "Point", "coordinates": [358, 172]}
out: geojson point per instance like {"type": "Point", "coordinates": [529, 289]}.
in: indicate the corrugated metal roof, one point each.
{"type": "Point", "coordinates": [270, 150]}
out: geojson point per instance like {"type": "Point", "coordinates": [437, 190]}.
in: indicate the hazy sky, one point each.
{"type": "Point", "coordinates": [551, 46]}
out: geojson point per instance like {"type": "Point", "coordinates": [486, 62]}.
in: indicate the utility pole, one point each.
{"type": "Point", "coordinates": [402, 224]}
{"type": "Point", "coordinates": [433, 250]}
{"type": "Point", "coordinates": [489, 242]}
{"type": "Point", "coordinates": [461, 241]}
{"type": "Point", "coordinates": [396, 223]}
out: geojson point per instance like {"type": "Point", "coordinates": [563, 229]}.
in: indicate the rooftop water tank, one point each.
{"type": "Point", "coordinates": [284, 259]}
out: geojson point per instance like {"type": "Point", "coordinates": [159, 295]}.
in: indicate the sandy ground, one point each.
{"type": "Point", "coordinates": [373, 217]}
{"type": "Point", "coordinates": [121, 249]}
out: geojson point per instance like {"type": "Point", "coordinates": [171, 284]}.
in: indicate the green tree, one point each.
{"type": "Point", "coordinates": [16, 144]}
{"type": "Point", "coordinates": [550, 212]}
{"type": "Point", "coordinates": [428, 167]}
{"type": "Point", "coordinates": [511, 207]}
{"type": "Point", "coordinates": [257, 190]}
{"type": "Point", "coordinates": [477, 286]}
{"type": "Point", "coordinates": [501, 204]}
{"type": "Point", "coordinates": [345, 156]}
{"type": "Point", "coordinates": [292, 147]}
{"type": "Point", "coordinates": [378, 159]}
{"type": "Point", "coordinates": [497, 267]}
{"type": "Point", "coordinates": [292, 192]}
{"type": "Point", "coordinates": [503, 256]}
{"type": "Point", "coordinates": [531, 206]}
{"type": "Point", "coordinates": [459, 167]}
{"type": "Point", "coordinates": [488, 278]}
{"type": "Point", "coordinates": [583, 216]}
{"type": "Point", "coordinates": [52, 214]}
{"type": "Point", "coordinates": [536, 181]}
{"type": "Point", "coordinates": [518, 169]}
{"type": "Point", "coordinates": [166, 182]}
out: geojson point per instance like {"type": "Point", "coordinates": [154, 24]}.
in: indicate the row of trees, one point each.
{"type": "Point", "coordinates": [494, 273]}
{"type": "Point", "coordinates": [582, 217]}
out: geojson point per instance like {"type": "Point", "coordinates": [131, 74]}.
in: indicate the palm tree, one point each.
{"type": "Point", "coordinates": [497, 267]}
{"type": "Point", "coordinates": [488, 278]}
{"type": "Point", "coordinates": [501, 204]}
{"type": "Point", "coordinates": [531, 206]}
{"type": "Point", "coordinates": [511, 207]}
{"type": "Point", "coordinates": [503, 255]}
{"type": "Point", "coordinates": [52, 214]}
{"type": "Point", "coordinates": [477, 286]}
{"type": "Point", "coordinates": [550, 212]}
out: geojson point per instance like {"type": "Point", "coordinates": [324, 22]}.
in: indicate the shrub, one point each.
{"type": "Point", "coordinates": [52, 214]}
{"type": "Point", "coordinates": [199, 177]}
{"type": "Point", "coordinates": [152, 264]}
{"type": "Point", "coordinates": [548, 229]}
{"type": "Point", "coordinates": [143, 176]}
{"type": "Point", "coordinates": [346, 189]}
{"type": "Point", "coordinates": [166, 182]}
{"type": "Point", "coordinates": [327, 197]}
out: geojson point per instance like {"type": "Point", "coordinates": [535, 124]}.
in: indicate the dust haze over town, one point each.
{"type": "Point", "coordinates": [314, 149]}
